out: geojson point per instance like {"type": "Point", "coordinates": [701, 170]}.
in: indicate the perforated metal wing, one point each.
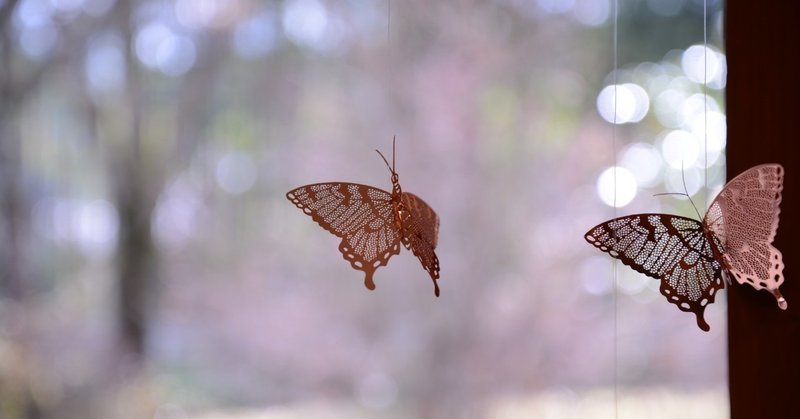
{"type": "Point", "coordinates": [744, 218]}
{"type": "Point", "coordinates": [361, 215]}
{"type": "Point", "coordinates": [670, 248]}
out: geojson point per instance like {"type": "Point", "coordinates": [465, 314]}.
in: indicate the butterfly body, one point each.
{"type": "Point", "coordinates": [372, 223]}
{"type": "Point", "coordinates": [692, 258]}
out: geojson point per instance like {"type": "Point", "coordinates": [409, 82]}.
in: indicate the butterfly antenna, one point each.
{"type": "Point", "coordinates": [686, 191]}
{"type": "Point", "coordinates": [385, 161]}
{"type": "Point", "coordinates": [394, 137]}
{"type": "Point", "coordinates": [686, 194]}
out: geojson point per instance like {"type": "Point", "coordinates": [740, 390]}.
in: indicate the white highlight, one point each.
{"type": "Point", "coordinates": [715, 70]}
{"type": "Point", "coordinates": [159, 47]}
{"type": "Point", "coordinates": [644, 161]}
{"type": "Point", "coordinates": [626, 187]}
{"type": "Point", "coordinates": [680, 149]}
{"type": "Point", "coordinates": [632, 105]}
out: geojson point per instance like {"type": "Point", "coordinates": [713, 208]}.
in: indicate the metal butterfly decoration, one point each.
{"type": "Point", "coordinates": [692, 257]}
{"type": "Point", "coordinates": [372, 223]}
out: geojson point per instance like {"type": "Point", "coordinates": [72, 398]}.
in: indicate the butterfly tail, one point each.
{"type": "Point", "coordinates": [367, 268]}
{"type": "Point", "coordinates": [433, 271]}
{"type": "Point", "coordinates": [368, 280]}
{"type": "Point", "coordinates": [701, 321]}
{"type": "Point", "coordinates": [779, 297]}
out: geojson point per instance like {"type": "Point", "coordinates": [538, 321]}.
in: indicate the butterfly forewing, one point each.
{"type": "Point", "coordinates": [420, 231]}
{"type": "Point", "coordinates": [669, 248]}
{"type": "Point", "coordinates": [362, 216]}
{"type": "Point", "coordinates": [744, 217]}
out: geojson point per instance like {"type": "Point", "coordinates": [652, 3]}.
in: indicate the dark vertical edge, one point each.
{"type": "Point", "coordinates": [763, 104]}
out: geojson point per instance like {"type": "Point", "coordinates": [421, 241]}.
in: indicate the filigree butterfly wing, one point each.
{"type": "Point", "coordinates": [744, 218]}
{"type": "Point", "coordinates": [670, 248]}
{"type": "Point", "coordinates": [362, 216]}
{"type": "Point", "coordinates": [420, 233]}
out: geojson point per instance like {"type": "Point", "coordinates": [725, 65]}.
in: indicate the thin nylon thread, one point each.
{"type": "Point", "coordinates": [389, 24]}
{"type": "Point", "coordinates": [389, 54]}
{"type": "Point", "coordinates": [614, 151]}
{"type": "Point", "coordinates": [705, 100]}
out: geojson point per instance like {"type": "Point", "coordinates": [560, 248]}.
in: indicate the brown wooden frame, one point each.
{"type": "Point", "coordinates": [763, 104]}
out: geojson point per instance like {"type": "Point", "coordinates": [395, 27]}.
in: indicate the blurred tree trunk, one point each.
{"type": "Point", "coordinates": [136, 255]}
{"type": "Point", "coordinates": [14, 207]}
{"type": "Point", "coordinates": [140, 176]}
{"type": "Point", "coordinates": [134, 199]}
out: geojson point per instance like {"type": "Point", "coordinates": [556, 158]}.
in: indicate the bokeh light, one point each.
{"type": "Point", "coordinates": [176, 55]}
{"type": "Point", "coordinates": [105, 65]}
{"type": "Point", "coordinates": [591, 12]}
{"type": "Point", "coordinates": [307, 23]}
{"type": "Point", "coordinates": [148, 41]}
{"type": "Point", "coordinates": [632, 103]}
{"type": "Point", "coordinates": [92, 225]}
{"type": "Point", "coordinates": [680, 149]}
{"type": "Point", "coordinates": [159, 47]}
{"type": "Point", "coordinates": [236, 173]}
{"type": "Point", "coordinates": [255, 36]}
{"type": "Point", "coordinates": [626, 186]}
{"type": "Point", "coordinates": [715, 70]}
{"type": "Point", "coordinates": [666, 107]}
{"type": "Point", "coordinates": [694, 177]}
{"type": "Point", "coordinates": [695, 105]}
{"type": "Point", "coordinates": [644, 161]}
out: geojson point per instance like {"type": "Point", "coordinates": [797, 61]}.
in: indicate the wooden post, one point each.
{"type": "Point", "coordinates": [763, 106]}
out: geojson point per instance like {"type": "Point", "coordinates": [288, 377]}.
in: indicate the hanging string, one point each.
{"type": "Point", "coordinates": [615, 60]}
{"type": "Point", "coordinates": [389, 55]}
{"type": "Point", "coordinates": [389, 24]}
{"type": "Point", "coordinates": [705, 100]}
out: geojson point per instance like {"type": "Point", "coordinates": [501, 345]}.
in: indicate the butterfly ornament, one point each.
{"type": "Point", "coordinates": [372, 222]}
{"type": "Point", "coordinates": [691, 257]}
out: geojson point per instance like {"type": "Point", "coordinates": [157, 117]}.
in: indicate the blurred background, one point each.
{"type": "Point", "coordinates": [151, 266]}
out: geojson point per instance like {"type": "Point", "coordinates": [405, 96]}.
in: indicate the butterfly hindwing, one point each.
{"type": "Point", "coordinates": [362, 216]}
{"type": "Point", "coordinates": [420, 231]}
{"type": "Point", "coordinates": [670, 248]}
{"type": "Point", "coordinates": [744, 217]}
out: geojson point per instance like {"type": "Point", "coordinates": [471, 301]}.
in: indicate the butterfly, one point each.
{"type": "Point", "coordinates": [691, 257]}
{"type": "Point", "coordinates": [372, 222]}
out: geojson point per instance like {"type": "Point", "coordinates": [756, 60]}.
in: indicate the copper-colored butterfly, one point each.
{"type": "Point", "coordinates": [691, 257]}
{"type": "Point", "coordinates": [372, 223]}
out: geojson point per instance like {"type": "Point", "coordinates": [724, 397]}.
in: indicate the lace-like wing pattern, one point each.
{"type": "Point", "coordinates": [362, 216]}
{"type": "Point", "coordinates": [670, 248]}
{"type": "Point", "coordinates": [420, 232]}
{"type": "Point", "coordinates": [744, 218]}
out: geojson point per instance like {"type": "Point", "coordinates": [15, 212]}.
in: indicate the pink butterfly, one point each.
{"type": "Point", "coordinates": [692, 257]}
